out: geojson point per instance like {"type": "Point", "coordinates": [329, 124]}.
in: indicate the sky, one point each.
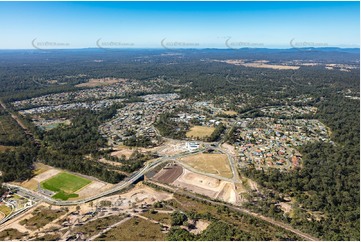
{"type": "Point", "coordinates": [44, 25]}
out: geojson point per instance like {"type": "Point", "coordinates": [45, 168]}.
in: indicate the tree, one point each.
{"type": "Point", "coordinates": [178, 218]}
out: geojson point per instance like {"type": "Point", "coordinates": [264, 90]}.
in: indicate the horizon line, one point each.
{"type": "Point", "coordinates": [205, 48]}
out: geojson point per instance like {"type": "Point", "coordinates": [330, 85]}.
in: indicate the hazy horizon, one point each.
{"type": "Point", "coordinates": [178, 25]}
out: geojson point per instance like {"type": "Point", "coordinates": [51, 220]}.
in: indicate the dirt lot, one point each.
{"type": "Point", "coordinates": [269, 66]}
{"type": "Point", "coordinates": [207, 186]}
{"type": "Point", "coordinates": [46, 175]}
{"type": "Point", "coordinates": [139, 194]}
{"type": "Point", "coordinates": [101, 82]}
{"type": "Point", "coordinates": [123, 150]}
{"type": "Point", "coordinates": [230, 112]}
{"type": "Point", "coordinates": [200, 132]}
{"type": "Point", "coordinates": [93, 188]}
{"type": "Point", "coordinates": [169, 174]}
{"type": "Point", "coordinates": [260, 64]}
{"type": "Point", "coordinates": [201, 225]}
{"type": "Point", "coordinates": [112, 163]}
{"type": "Point", "coordinates": [217, 164]}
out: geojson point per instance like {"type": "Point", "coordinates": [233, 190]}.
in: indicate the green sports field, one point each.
{"type": "Point", "coordinates": [65, 184]}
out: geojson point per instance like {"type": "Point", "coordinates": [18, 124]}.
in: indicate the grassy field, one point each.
{"type": "Point", "coordinates": [64, 196]}
{"type": "Point", "coordinates": [200, 132]}
{"type": "Point", "coordinates": [210, 163]}
{"type": "Point", "coordinates": [65, 185]}
{"type": "Point", "coordinates": [135, 229]}
{"type": "Point", "coordinates": [5, 210]}
{"type": "Point", "coordinates": [164, 218]}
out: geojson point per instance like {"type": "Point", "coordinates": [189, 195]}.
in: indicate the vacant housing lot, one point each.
{"type": "Point", "coordinates": [208, 186]}
{"type": "Point", "coordinates": [217, 164]}
{"type": "Point", "coordinates": [200, 132]}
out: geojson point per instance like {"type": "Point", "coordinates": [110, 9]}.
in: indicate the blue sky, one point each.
{"type": "Point", "coordinates": [180, 24]}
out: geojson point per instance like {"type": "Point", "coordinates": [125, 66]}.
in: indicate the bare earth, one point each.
{"type": "Point", "coordinates": [93, 188]}
{"type": "Point", "coordinates": [101, 82]}
{"type": "Point", "coordinates": [230, 112]}
{"type": "Point", "coordinates": [207, 186]}
{"type": "Point", "coordinates": [169, 174]}
{"type": "Point", "coordinates": [201, 225]}
{"type": "Point", "coordinates": [43, 172]}
{"type": "Point", "coordinates": [46, 175]}
{"type": "Point", "coordinates": [217, 164]}
{"type": "Point", "coordinates": [260, 64]}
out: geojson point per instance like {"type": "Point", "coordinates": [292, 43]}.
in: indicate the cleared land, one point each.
{"type": "Point", "coordinates": [42, 172]}
{"type": "Point", "coordinates": [100, 82]}
{"type": "Point", "coordinates": [217, 164]}
{"type": "Point", "coordinates": [200, 132]}
{"type": "Point", "coordinates": [207, 186]}
{"type": "Point", "coordinates": [260, 64]}
{"type": "Point", "coordinates": [94, 187]}
{"type": "Point", "coordinates": [269, 66]}
{"type": "Point", "coordinates": [123, 150]}
{"type": "Point", "coordinates": [168, 174]}
{"type": "Point", "coordinates": [230, 112]}
{"type": "Point", "coordinates": [65, 185]}
{"type": "Point", "coordinates": [135, 229]}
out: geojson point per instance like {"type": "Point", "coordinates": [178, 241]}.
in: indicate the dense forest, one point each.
{"type": "Point", "coordinates": [66, 146]}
